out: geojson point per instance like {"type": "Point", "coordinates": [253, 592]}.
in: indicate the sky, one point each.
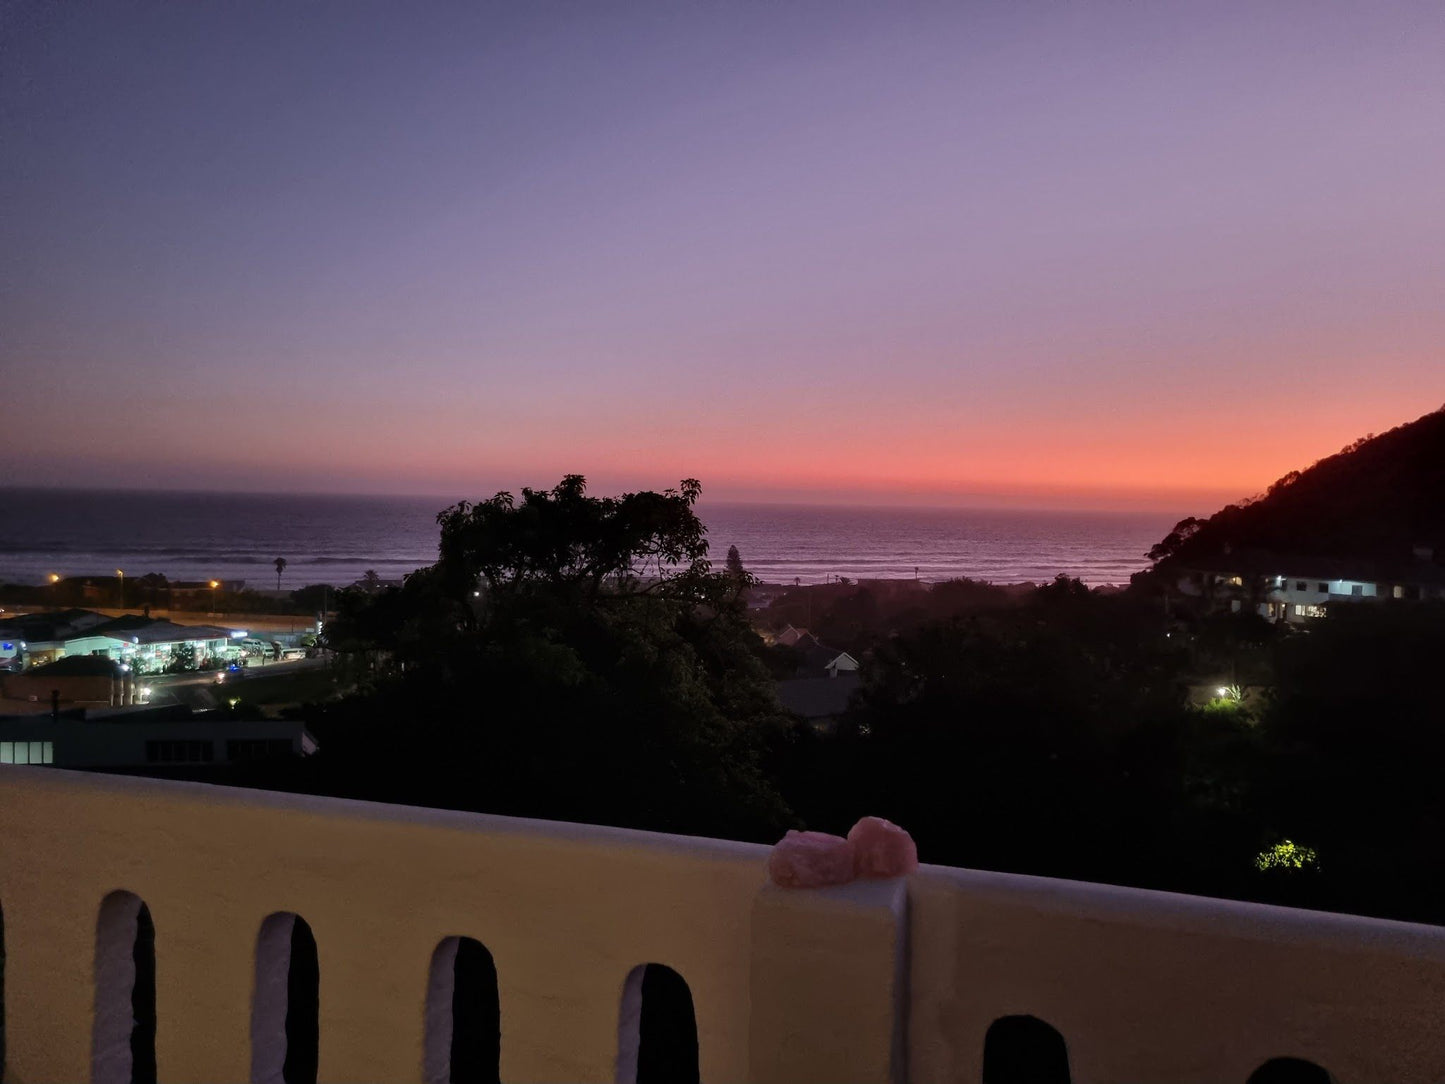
{"type": "Point", "coordinates": [1058, 254]}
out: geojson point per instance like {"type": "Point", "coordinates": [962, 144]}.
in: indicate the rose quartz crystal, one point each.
{"type": "Point", "coordinates": [811, 860]}
{"type": "Point", "coordinates": [882, 849]}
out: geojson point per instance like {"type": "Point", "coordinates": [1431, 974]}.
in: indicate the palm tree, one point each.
{"type": "Point", "coordinates": [280, 567]}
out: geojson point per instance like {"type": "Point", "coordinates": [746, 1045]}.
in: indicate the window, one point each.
{"type": "Point", "coordinates": [27, 752]}
{"type": "Point", "coordinates": [1300, 585]}
{"type": "Point", "coordinates": [1324, 588]}
{"type": "Point", "coordinates": [179, 752]}
{"type": "Point", "coordinates": [243, 749]}
{"type": "Point", "coordinates": [1357, 589]}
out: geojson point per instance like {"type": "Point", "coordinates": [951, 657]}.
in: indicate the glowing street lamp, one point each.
{"type": "Point", "coordinates": [214, 584]}
{"type": "Point", "coordinates": [55, 577]}
{"type": "Point", "coordinates": [121, 576]}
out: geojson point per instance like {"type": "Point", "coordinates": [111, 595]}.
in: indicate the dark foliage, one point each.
{"type": "Point", "coordinates": [1379, 497]}
{"type": "Point", "coordinates": [568, 657]}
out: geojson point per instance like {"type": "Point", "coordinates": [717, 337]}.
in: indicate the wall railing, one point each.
{"type": "Point", "coordinates": [177, 931]}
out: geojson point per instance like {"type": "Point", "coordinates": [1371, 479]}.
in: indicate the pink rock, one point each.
{"type": "Point", "coordinates": [811, 860]}
{"type": "Point", "coordinates": [882, 849]}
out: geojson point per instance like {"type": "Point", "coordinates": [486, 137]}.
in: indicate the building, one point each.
{"type": "Point", "coordinates": [227, 934]}
{"type": "Point", "coordinates": [820, 701]}
{"type": "Point", "coordinates": [74, 681]}
{"type": "Point", "coordinates": [1297, 588]}
{"type": "Point", "coordinates": [144, 643]}
{"type": "Point", "coordinates": [146, 738]}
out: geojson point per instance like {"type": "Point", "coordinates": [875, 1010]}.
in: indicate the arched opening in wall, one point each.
{"type": "Point", "coordinates": [123, 1040]}
{"type": "Point", "coordinates": [1024, 1050]}
{"type": "Point", "coordinates": [285, 1033]}
{"type": "Point", "coordinates": [656, 1029]}
{"type": "Point", "coordinates": [463, 1015]}
{"type": "Point", "coordinates": [1290, 1071]}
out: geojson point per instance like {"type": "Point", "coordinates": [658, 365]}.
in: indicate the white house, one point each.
{"type": "Point", "coordinates": [1298, 588]}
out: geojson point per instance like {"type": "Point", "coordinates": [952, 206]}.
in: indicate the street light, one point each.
{"type": "Point", "coordinates": [121, 576]}
{"type": "Point", "coordinates": [55, 577]}
{"type": "Point", "coordinates": [214, 584]}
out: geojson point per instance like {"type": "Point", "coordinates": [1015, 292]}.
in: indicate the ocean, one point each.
{"type": "Point", "coordinates": [336, 539]}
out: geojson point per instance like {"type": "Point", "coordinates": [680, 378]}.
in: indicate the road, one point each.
{"type": "Point", "coordinates": [200, 689]}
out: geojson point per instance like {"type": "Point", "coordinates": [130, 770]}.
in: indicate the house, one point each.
{"type": "Point", "coordinates": [1298, 587]}
{"type": "Point", "coordinates": [790, 636]}
{"type": "Point", "coordinates": [77, 680]}
{"type": "Point", "coordinates": [144, 643]}
{"type": "Point", "coordinates": [820, 660]}
{"type": "Point", "coordinates": [818, 700]}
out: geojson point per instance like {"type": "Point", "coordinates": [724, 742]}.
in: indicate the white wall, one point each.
{"type": "Point", "coordinates": [869, 982]}
{"type": "Point", "coordinates": [1153, 986]}
{"type": "Point", "coordinates": [566, 911]}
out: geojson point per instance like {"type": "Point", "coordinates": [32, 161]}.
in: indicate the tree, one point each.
{"type": "Point", "coordinates": [183, 657]}
{"type": "Point", "coordinates": [280, 567]}
{"type": "Point", "coordinates": [1182, 532]}
{"type": "Point", "coordinates": [735, 562]}
{"type": "Point", "coordinates": [371, 582]}
{"type": "Point", "coordinates": [571, 657]}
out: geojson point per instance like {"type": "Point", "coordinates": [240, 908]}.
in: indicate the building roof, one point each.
{"type": "Point", "coordinates": [153, 630]}
{"type": "Point", "coordinates": [52, 625]}
{"type": "Point", "coordinates": [77, 666]}
{"type": "Point", "coordinates": [1256, 562]}
{"type": "Point", "coordinates": [818, 697]}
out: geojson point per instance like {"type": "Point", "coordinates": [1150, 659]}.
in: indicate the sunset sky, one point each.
{"type": "Point", "coordinates": [1045, 253]}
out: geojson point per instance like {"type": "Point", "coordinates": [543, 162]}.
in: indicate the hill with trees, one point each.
{"type": "Point", "coordinates": [1377, 499]}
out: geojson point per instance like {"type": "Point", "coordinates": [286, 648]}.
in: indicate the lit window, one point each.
{"type": "Point", "coordinates": [27, 752]}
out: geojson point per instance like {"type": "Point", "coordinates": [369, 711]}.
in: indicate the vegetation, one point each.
{"type": "Point", "coordinates": [569, 656]}
{"type": "Point", "coordinates": [577, 658]}
{"type": "Point", "coordinates": [1378, 497]}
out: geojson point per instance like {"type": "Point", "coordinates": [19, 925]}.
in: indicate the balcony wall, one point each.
{"type": "Point", "coordinates": [869, 982]}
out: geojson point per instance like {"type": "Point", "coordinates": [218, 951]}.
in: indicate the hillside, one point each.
{"type": "Point", "coordinates": [1377, 499]}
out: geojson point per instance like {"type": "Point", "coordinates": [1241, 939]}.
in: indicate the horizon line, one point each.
{"type": "Point", "coordinates": [983, 502]}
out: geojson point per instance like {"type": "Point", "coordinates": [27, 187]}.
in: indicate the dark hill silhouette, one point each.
{"type": "Point", "coordinates": [1378, 499]}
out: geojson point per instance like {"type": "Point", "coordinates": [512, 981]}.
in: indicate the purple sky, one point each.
{"type": "Point", "coordinates": [1073, 253]}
